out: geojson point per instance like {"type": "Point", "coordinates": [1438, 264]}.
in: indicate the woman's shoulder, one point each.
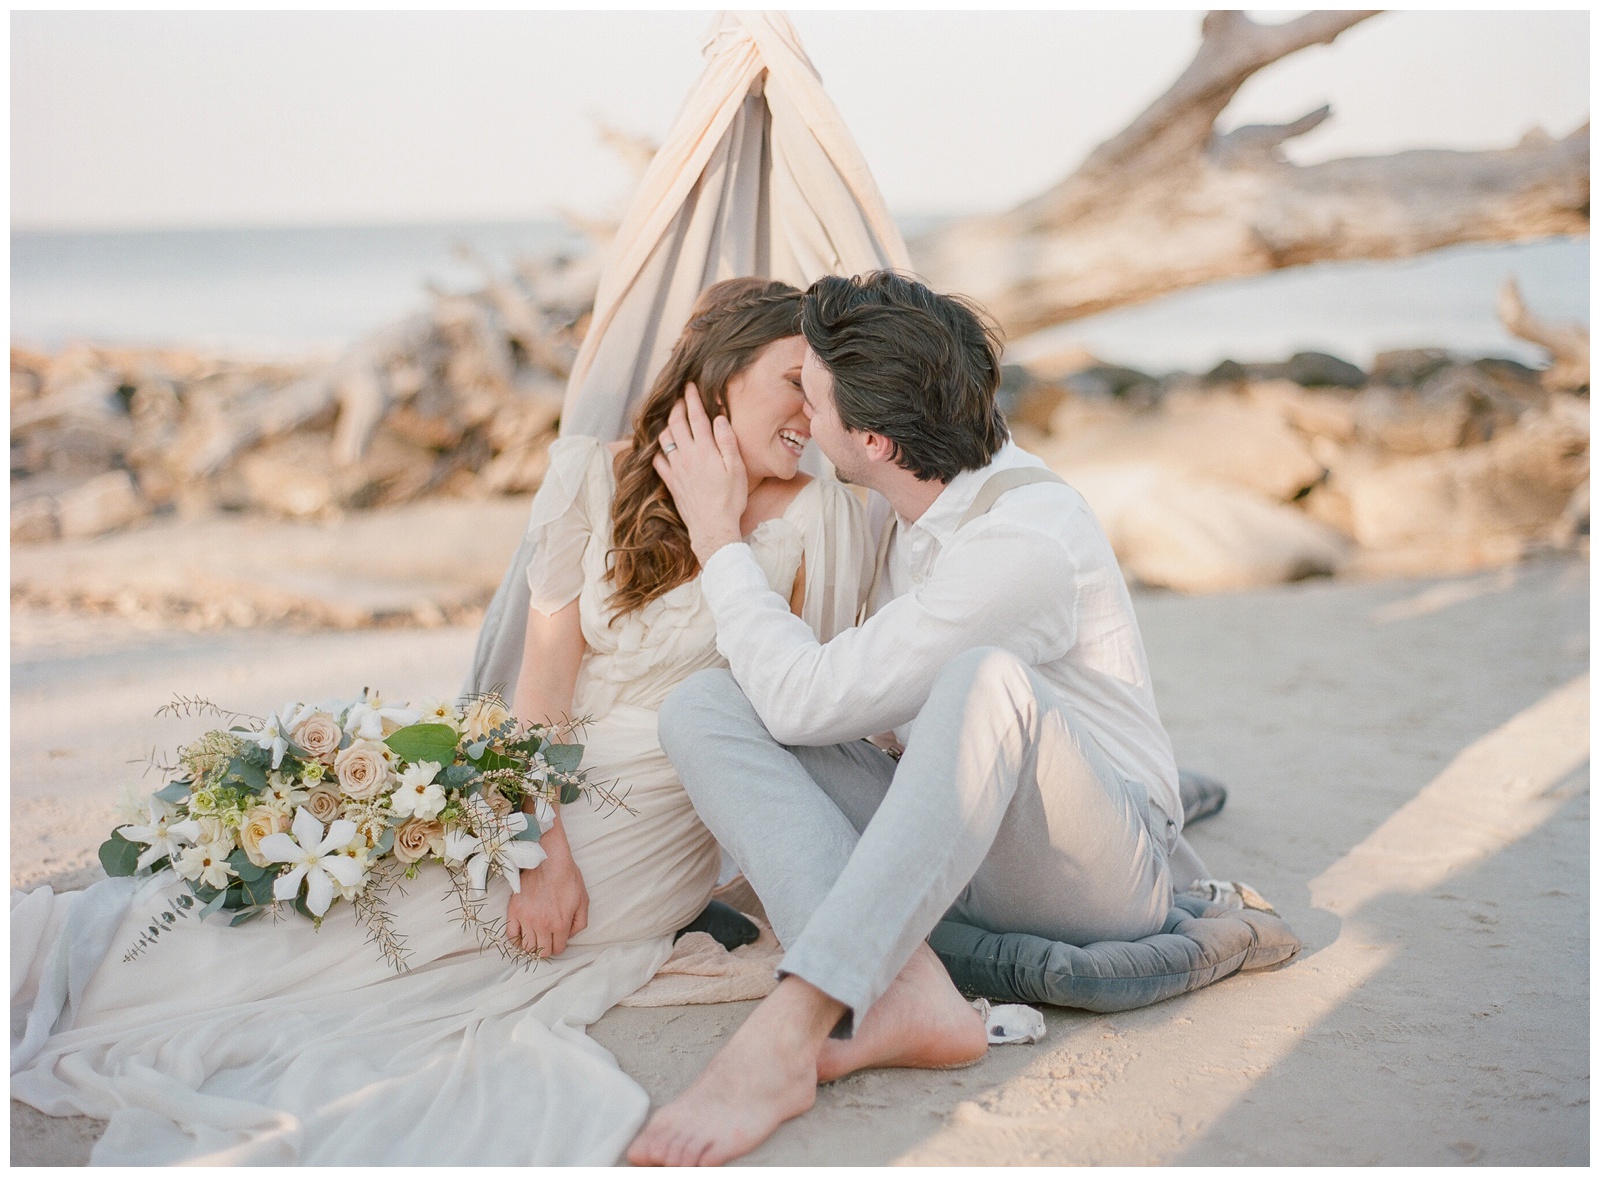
{"type": "Point", "coordinates": [826, 511]}
{"type": "Point", "coordinates": [576, 449]}
{"type": "Point", "coordinates": [828, 498]}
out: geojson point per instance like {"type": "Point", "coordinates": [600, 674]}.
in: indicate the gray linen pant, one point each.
{"type": "Point", "coordinates": [1001, 813]}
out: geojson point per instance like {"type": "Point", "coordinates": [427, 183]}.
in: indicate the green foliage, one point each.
{"type": "Point", "coordinates": [491, 761]}
{"type": "Point", "coordinates": [570, 793]}
{"type": "Point", "coordinates": [564, 757]}
{"type": "Point", "coordinates": [244, 917]}
{"type": "Point", "coordinates": [118, 856]}
{"type": "Point", "coordinates": [175, 793]}
{"type": "Point", "coordinates": [425, 741]}
{"type": "Point", "coordinates": [244, 868]}
{"type": "Point", "coordinates": [244, 769]}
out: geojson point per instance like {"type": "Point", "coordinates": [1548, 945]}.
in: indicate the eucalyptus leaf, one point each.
{"type": "Point", "coordinates": [245, 916]}
{"type": "Point", "coordinates": [175, 793]}
{"type": "Point", "coordinates": [531, 834]}
{"type": "Point", "coordinates": [475, 749]}
{"type": "Point", "coordinates": [385, 842]}
{"type": "Point", "coordinates": [490, 761]}
{"type": "Point", "coordinates": [118, 856]}
{"type": "Point", "coordinates": [260, 890]}
{"type": "Point", "coordinates": [458, 775]}
{"type": "Point", "coordinates": [244, 868]}
{"type": "Point", "coordinates": [252, 775]}
{"type": "Point", "coordinates": [214, 905]}
{"type": "Point", "coordinates": [425, 741]}
{"type": "Point", "coordinates": [564, 757]}
{"type": "Point", "coordinates": [570, 793]}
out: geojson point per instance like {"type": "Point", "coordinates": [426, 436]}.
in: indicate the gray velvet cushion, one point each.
{"type": "Point", "coordinates": [1200, 943]}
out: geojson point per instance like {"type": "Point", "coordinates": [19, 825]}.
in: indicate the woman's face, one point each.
{"type": "Point", "coordinates": [767, 410]}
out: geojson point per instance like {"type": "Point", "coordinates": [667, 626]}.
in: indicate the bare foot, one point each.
{"type": "Point", "coordinates": [920, 1021]}
{"type": "Point", "coordinates": [766, 1074]}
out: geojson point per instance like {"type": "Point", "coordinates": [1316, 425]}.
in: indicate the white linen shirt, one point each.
{"type": "Point", "coordinates": [1034, 575]}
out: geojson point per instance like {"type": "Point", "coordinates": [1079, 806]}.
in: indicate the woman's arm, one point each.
{"type": "Point", "coordinates": [553, 903]}
{"type": "Point", "coordinates": [551, 655]}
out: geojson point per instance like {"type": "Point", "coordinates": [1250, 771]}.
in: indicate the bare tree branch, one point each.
{"type": "Point", "coordinates": [1168, 203]}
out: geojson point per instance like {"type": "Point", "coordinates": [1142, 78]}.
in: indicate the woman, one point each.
{"type": "Point", "coordinates": [284, 1044]}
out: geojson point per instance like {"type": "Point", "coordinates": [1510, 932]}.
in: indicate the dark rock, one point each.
{"type": "Point", "coordinates": [1408, 367]}
{"type": "Point", "coordinates": [1014, 382]}
{"type": "Point", "coordinates": [1108, 380]}
{"type": "Point", "coordinates": [1227, 372]}
{"type": "Point", "coordinates": [1315, 369]}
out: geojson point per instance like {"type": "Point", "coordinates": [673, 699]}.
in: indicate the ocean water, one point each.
{"type": "Point", "coordinates": [296, 290]}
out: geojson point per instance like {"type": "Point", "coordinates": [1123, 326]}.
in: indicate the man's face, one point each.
{"type": "Point", "coordinates": [839, 445]}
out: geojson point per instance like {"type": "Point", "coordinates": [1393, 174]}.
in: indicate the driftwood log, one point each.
{"type": "Point", "coordinates": [1170, 202]}
{"type": "Point", "coordinates": [1567, 343]}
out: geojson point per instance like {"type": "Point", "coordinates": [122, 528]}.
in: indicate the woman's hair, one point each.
{"type": "Point", "coordinates": [730, 324]}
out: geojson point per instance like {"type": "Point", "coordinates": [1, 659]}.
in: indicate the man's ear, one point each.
{"type": "Point", "coordinates": [879, 448]}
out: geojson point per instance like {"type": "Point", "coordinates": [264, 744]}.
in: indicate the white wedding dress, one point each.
{"type": "Point", "coordinates": [282, 1044]}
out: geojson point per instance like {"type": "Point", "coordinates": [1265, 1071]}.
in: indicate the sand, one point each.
{"type": "Point", "coordinates": [1409, 771]}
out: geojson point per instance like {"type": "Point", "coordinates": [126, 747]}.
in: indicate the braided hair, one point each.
{"type": "Point", "coordinates": [730, 324]}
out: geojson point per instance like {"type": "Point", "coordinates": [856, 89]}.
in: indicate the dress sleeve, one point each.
{"type": "Point", "coordinates": [560, 522]}
{"type": "Point", "coordinates": [838, 554]}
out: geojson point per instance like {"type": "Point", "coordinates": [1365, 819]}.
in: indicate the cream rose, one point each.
{"type": "Point", "coordinates": [414, 839]}
{"type": "Point", "coordinates": [484, 714]}
{"type": "Point", "coordinates": [259, 823]}
{"type": "Point", "coordinates": [497, 801]}
{"type": "Point", "coordinates": [214, 830]}
{"type": "Point", "coordinates": [324, 804]}
{"type": "Point", "coordinates": [363, 769]}
{"type": "Point", "coordinates": [319, 734]}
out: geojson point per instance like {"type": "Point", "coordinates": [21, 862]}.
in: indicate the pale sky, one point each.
{"type": "Point", "coordinates": [168, 119]}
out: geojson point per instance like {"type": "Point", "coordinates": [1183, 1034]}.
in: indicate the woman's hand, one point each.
{"type": "Point", "coordinates": [553, 905]}
{"type": "Point", "coordinates": [704, 472]}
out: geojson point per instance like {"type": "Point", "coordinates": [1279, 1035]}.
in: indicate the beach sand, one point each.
{"type": "Point", "coordinates": [1408, 765]}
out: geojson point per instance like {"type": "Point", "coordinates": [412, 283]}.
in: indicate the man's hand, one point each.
{"type": "Point", "coordinates": [552, 906]}
{"type": "Point", "coordinates": [703, 471]}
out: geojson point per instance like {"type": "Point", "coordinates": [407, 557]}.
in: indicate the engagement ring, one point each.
{"type": "Point", "coordinates": [668, 446]}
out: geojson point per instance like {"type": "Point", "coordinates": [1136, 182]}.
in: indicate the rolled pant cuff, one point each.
{"type": "Point", "coordinates": [835, 981]}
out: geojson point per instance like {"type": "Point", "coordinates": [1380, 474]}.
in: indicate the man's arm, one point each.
{"type": "Point", "coordinates": [1004, 586]}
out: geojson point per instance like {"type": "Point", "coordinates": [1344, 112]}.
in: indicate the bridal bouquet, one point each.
{"type": "Point", "coordinates": [341, 800]}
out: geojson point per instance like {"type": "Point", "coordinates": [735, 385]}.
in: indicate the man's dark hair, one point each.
{"type": "Point", "coordinates": [918, 368]}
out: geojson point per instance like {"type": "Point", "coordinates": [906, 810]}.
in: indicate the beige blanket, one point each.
{"type": "Point", "coordinates": [702, 972]}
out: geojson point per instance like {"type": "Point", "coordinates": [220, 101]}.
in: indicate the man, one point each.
{"type": "Point", "coordinates": [1035, 789]}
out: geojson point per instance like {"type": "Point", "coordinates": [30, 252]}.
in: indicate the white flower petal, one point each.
{"type": "Point", "coordinates": [347, 870]}
{"type": "Point", "coordinates": [478, 874]}
{"type": "Point", "coordinates": [184, 831]}
{"type": "Point", "coordinates": [281, 848]}
{"type": "Point", "coordinates": [340, 834]}
{"type": "Point", "coordinates": [150, 855]}
{"type": "Point", "coordinates": [287, 885]}
{"type": "Point", "coordinates": [524, 855]}
{"type": "Point", "coordinates": [459, 845]}
{"type": "Point", "coordinates": [319, 892]}
{"type": "Point", "coordinates": [307, 829]}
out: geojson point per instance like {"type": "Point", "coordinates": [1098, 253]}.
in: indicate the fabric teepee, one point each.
{"type": "Point", "coordinates": [758, 176]}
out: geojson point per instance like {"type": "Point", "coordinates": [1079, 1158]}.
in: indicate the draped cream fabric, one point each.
{"type": "Point", "coordinates": [757, 176]}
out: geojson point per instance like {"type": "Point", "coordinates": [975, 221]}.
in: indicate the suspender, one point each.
{"type": "Point", "coordinates": [988, 494]}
